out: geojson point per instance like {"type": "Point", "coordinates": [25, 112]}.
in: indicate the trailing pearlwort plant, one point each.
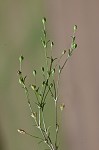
{"type": "Point", "coordinates": [49, 85]}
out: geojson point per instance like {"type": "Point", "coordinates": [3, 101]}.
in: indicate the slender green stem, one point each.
{"type": "Point", "coordinates": [54, 89]}
{"type": "Point", "coordinates": [34, 136]}
{"type": "Point", "coordinates": [64, 64]}
{"type": "Point", "coordinates": [57, 87]}
{"type": "Point", "coordinates": [47, 139]}
{"type": "Point", "coordinates": [47, 82]}
{"type": "Point", "coordinates": [36, 96]}
{"type": "Point", "coordinates": [56, 123]}
{"type": "Point", "coordinates": [43, 120]}
{"type": "Point", "coordinates": [39, 116]}
{"type": "Point", "coordinates": [49, 90]}
{"type": "Point", "coordinates": [20, 66]}
{"type": "Point", "coordinates": [27, 96]}
{"type": "Point", "coordinates": [46, 59]}
{"type": "Point", "coordinates": [45, 44]}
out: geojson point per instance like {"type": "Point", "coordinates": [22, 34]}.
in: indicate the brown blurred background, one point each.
{"type": "Point", "coordinates": [20, 31]}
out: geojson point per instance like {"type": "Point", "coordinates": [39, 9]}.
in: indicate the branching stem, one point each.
{"type": "Point", "coordinates": [49, 85]}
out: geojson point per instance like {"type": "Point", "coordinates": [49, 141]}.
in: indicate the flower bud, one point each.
{"type": "Point", "coordinates": [21, 58]}
{"type": "Point", "coordinates": [63, 52]}
{"type": "Point", "coordinates": [44, 20]}
{"type": "Point", "coordinates": [62, 106]}
{"type": "Point", "coordinates": [75, 28]}
{"type": "Point", "coordinates": [21, 131]}
{"type": "Point", "coordinates": [42, 68]}
{"type": "Point", "coordinates": [34, 115]}
{"type": "Point", "coordinates": [34, 72]}
{"type": "Point", "coordinates": [33, 87]}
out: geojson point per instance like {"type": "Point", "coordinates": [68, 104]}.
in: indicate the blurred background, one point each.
{"type": "Point", "coordinates": [20, 31]}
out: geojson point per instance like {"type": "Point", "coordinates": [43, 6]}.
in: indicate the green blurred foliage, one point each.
{"type": "Point", "coordinates": [20, 31]}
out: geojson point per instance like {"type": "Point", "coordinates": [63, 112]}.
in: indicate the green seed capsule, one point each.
{"type": "Point", "coordinates": [21, 131]}
{"type": "Point", "coordinates": [62, 106]}
{"type": "Point", "coordinates": [21, 80]}
{"type": "Point", "coordinates": [33, 87]}
{"type": "Point", "coordinates": [42, 68]}
{"type": "Point", "coordinates": [34, 72]}
{"type": "Point", "coordinates": [44, 20]}
{"type": "Point", "coordinates": [63, 52]}
{"type": "Point", "coordinates": [75, 28]}
{"type": "Point", "coordinates": [19, 72]}
{"type": "Point", "coordinates": [73, 45]}
{"type": "Point", "coordinates": [21, 58]}
{"type": "Point", "coordinates": [52, 44]}
{"type": "Point", "coordinates": [34, 115]}
{"type": "Point", "coordinates": [53, 71]}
